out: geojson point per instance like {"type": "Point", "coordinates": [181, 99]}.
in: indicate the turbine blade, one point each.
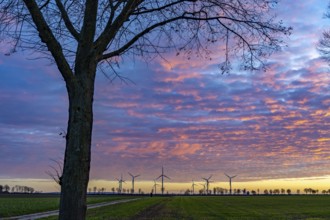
{"type": "Point", "coordinates": [167, 177]}
{"type": "Point", "coordinates": [130, 174]}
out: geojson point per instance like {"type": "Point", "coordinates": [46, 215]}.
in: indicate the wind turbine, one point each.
{"type": "Point", "coordinates": [155, 186]}
{"type": "Point", "coordinates": [120, 182]}
{"type": "Point", "coordinates": [203, 186]}
{"type": "Point", "coordinates": [230, 178]}
{"type": "Point", "coordinates": [207, 180]}
{"type": "Point", "coordinates": [133, 179]}
{"type": "Point", "coordinates": [193, 187]}
{"type": "Point", "coordinates": [162, 176]}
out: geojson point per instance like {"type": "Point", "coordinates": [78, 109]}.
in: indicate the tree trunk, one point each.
{"type": "Point", "coordinates": [77, 158]}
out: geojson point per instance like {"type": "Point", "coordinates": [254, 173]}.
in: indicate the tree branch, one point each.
{"type": "Point", "coordinates": [185, 17]}
{"type": "Point", "coordinates": [67, 20]}
{"type": "Point", "coordinates": [89, 24]}
{"type": "Point", "coordinates": [159, 8]}
{"type": "Point", "coordinates": [111, 29]}
{"type": "Point", "coordinates": [137, 37]}
{"type": "Point", "coordinates": [48, 38]}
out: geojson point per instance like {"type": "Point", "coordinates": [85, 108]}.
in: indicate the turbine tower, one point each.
{"type": "Point", "coordinates": [162, 176]}
{"type": "Point", "coordinates": [120, 182]}
{"type": "Point", "coordinates": [155, 186]}
{"type": "Point", "coordinates": [230, 178]}
{"type": "Point", "coordinates": [203, 186]}
{"type": "Point", "coordinates": [133, 179]}
{"type": "Point", "coordinates": [207, 180]}
{"type": "Point", "coordinates": [193, 186]}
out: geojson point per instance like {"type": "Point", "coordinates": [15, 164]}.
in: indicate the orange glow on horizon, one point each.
{"type": "Point", "coordinates": [317, 183]}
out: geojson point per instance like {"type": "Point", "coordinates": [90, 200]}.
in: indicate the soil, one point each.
{"type": "Point", "coordinates": [158, 211]}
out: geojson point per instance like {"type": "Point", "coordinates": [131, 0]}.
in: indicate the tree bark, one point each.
{"type": "Point", "coordinates": [76, 168]}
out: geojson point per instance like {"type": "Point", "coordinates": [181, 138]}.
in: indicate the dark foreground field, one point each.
{"type": "Point", "coordinates": [261, 207]}
{"type": "Point", "coordinates": [22, 204]}
{"type": "Point", "coordinates": [204, 207]}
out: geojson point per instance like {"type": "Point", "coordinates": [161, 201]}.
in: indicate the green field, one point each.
{"type": "Point", "coordinates": [213, 207]}
{"type": "Point", "coordinates": [226, 207]}
{"type": "Point", "coordinates": [14, 205]}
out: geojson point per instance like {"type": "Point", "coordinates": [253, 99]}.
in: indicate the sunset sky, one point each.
{"type": "Point", "coordinates": [183, 115]}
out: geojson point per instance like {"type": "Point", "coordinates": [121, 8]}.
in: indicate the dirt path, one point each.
{"type": "Point", "coordinates": [55, 212]}
{"type": "Point", "coordinates": [158, 211]}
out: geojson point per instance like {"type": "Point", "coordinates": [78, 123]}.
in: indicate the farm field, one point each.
{"type": "Point", "coordinates": [223, 207]}
{"type": "Point", "coordinates": [14, 205]}
{"type": "Point", "coordinates": [214, 207]}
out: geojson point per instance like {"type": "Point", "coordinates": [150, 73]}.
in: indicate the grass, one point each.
{"type": "Point", "coordinates": [211, 207]}
{"type": "Point", "coordinates": [15, 205]}
{"type": "Point", "coordinates": [226, 207]}
{"type": "Point", "coordinates": [124, 210]}
{"type": "Point", "coordinates": [130, 210]}
{"type": "Point", "coordinates": [261, 207]}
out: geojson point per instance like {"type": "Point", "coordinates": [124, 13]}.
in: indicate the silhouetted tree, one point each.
{"type": "Point", "coordinates": [1, 188]}
{"type": "Point", "coordinates": [79, 36]}
{"type": "Point", "coordinates": [288, 191]}
{"type": "Point", "coordinates": [6, 188]}
{"type": "Point", "coordinates": [306, 190]}
{"type": "Point", "coordinates": [56, 171]}
{"type": "Point", "coordinates": [324, 43]}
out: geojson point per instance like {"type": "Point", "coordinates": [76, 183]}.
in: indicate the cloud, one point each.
{"type": "Point", "coordinates": [181, 114]}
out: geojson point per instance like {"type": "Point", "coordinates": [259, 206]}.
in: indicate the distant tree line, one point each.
{"type": "Point", "coordinates": [16, 189]}
{"type": "Point", "coordinates": [316, 191]}
{"type": "Point", "coordinates": [95, 190]}
{"type": "Point", "coordinates": [223, 191]}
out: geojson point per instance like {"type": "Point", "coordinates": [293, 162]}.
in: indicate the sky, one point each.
{"type": "Point", "coordinates": [271, 128]}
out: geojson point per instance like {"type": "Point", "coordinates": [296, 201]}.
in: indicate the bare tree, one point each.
{"type": "Point", "coordinates": [82, 36]}
{"type": "Point", "coordinates": [56, 171]}
{"type": "Point", "coordinates": [6, 188]}
{"type": "Point", "coordinates": [324, 43]}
